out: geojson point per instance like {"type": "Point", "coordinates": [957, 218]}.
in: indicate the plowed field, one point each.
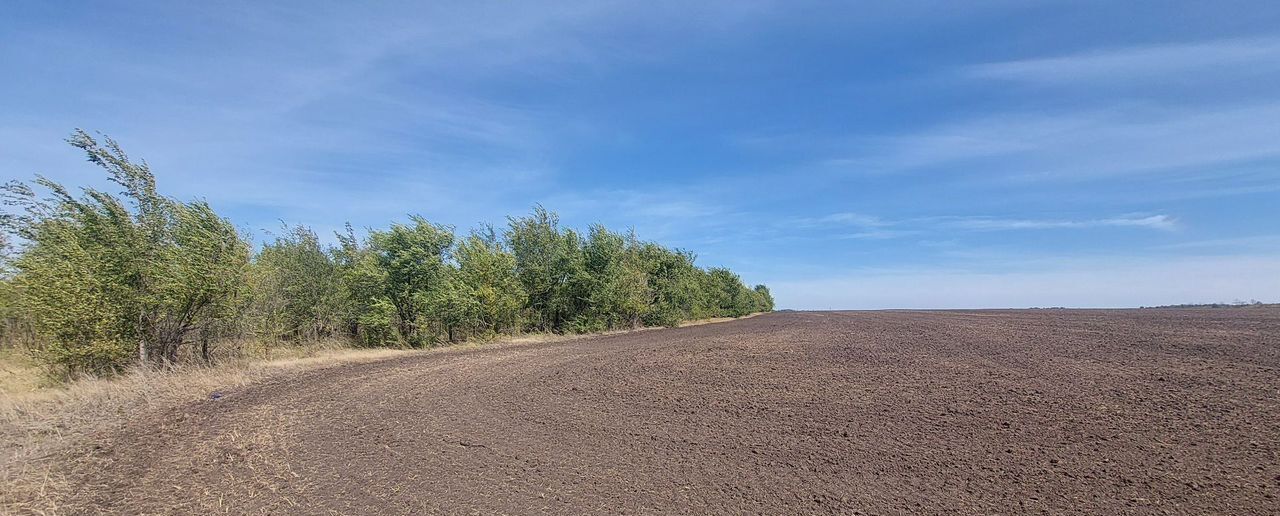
{"type": "Point", "coordinates": [1080, 411]}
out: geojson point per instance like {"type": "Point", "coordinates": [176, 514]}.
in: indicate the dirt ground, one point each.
{"type": "Point", "coordinates": [1042, 411]}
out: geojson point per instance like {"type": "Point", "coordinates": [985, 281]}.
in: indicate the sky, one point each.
{"type": "Point", "coordinates": [848, 154]}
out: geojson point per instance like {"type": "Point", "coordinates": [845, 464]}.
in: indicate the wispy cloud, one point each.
{"type": "Point", "coordinates": [370, 111]}
{"type": "Point", "coordinates": [842, 219]}
{"type": "Point", "coordinates": [1182, 108]}
{"type": "Point", "coordinates": [878, 227]}
{"type": "Point", "coordinates": [1162, 222]}
{"type": "Point", "coordinates": [877, 234]}
{"type": "Point", "coordinates": [1102, 282]}
{"type": "Point", "coordinates": [1081, 145]}
{"type": "Point", "coordinates": [1146, 62]}
{"type": "Point", "coordinates": [1256, 242]}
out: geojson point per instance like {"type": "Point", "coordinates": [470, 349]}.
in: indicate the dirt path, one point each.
{"type": "Point", "coordinates": [873, 412]}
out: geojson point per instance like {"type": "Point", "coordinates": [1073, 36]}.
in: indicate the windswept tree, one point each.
{"type": "Point", "coordinates": [764, 299]}
{"type": "Point", "coordinates": [296, 291]}
{"type": "Point", "coordinates": [401, 279]}
{"type": "Point", "coordinates": [549, 263]}
{"type": "Point", "coordinates": [617, 285]}
{"type": "Point", "coordinates": [487, 272]}
{"type": "Point", "coordinates": [106, 278]}
{"type": "Point", "coordinates": [674, 281]}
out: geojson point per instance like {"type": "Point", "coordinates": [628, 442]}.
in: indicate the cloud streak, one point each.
{"type": "Point", "coordinates": [1082, 145]}
{"type": "Point", "coordinates": [878, 227]}
{"type": "Point", "coordinates": [1081, 283]}
{"type": "Point", "coordinates": [1170, 110]}
{"type": "Point", "coordinates": [1161, 222]}
{"type": "Point", "coordinates": [1147, 63]}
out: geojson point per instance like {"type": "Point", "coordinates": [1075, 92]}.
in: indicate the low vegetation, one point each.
{"type": "Point", "coordinates": [99, 283]}
{"type": "Point", "coordinates": [1234, 304]}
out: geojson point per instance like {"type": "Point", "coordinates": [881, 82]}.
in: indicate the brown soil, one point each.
{"type": "Point", "coordinates": [1050, 411]}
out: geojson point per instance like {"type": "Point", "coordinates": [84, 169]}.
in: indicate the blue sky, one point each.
{"type": "Point", "coordinates": [850, 155]}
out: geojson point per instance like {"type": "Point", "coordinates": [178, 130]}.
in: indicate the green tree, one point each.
{"type": "Point", "coordinates": [453, 309]}
{"type": "Point", "coordinates": [764, 299]}
{"type": "Point", "coordinates": [367, 313]}
{"type": "Point", "coordinates": [617, 285]}
{"type": "Point", "coordinates": [412, 260]}
{"type": "Point", "coordinates": [726, 294]}
{"type": "Point", "coordinates": [488, 272]}
{"type": "Point", "coordinates": [549, 264]}
{"type": "Point", "coordinates": [678, 293]}
{"type": "Point", "coordinates": [297, 293]}
{"type": "Point", "coordinates": [105, 278]}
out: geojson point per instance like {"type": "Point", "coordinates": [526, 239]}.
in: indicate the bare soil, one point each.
{"type": "Point", "coordinates": [1048, 411]}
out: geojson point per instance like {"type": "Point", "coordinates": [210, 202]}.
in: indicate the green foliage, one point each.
{"type": "Point", "coordinates": [726, 295]}
{"type": "Point", "coordinates": [15, 326]}
{"type": "Point", "coordinates": [616, 283]}
{"type": "Point", "coordinates": [108, 281]}
{"type": "Point", "coordinates": [676, 286]}
{"type": "Point", "coordinates": [416, 277]}
{"type": "Point", "coordinates": [400, 284]}
{"type": "Point", "coordinates": [367, 314]}
{"type": "Point", "coordinates": [377, 323]}
{"type": "Point", "coordinates": [549, 263]}
{"type": "Point", "coordinates": [296, 288]}
{"type": "Point", "coordinates": [487, 275]}
{"type": "Point", "coordinates": [763, 299]}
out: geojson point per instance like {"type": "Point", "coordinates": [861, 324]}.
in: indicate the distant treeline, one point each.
{"type": "Point", "coordinates": [103, 282]}
{"type": "Point", "coordinates": [1234, 304]}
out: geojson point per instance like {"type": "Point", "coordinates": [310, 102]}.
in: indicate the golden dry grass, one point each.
{"type": "Point", "coordinates": [40, 427]}
{"type": "Point", "coordinates": [18, 373]}
{"type": "Point", "coordinates": [712, 320]}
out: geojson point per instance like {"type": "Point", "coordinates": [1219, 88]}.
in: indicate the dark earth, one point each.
{"type": "Point", "coordinates": [894, 412]}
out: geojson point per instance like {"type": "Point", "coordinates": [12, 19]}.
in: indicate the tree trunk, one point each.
{"type": "Point", "coordinates": [142, 340]}
{"type": "Point", "coordinates": [171, 353]}
{"type": "Point", "coordinates": [204, 348]}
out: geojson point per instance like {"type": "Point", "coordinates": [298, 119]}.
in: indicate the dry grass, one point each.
{"type": "Point", "coordinates": [43, 425]}
{"type": "Point", "coordinates": [18, 373]}
{"type": "Point", "coordinates": [40, 427]}
{"type": "Point", "coordinates": [712, 320]}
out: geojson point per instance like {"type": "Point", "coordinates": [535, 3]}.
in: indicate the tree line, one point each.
{"type": "Point", "coordinates": [107, 281]}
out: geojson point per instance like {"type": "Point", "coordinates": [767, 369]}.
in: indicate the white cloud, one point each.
{"type": "Point", "coordinates": [1149, 63]}
{"type": "Point", "coordinates": [877, 234]}
{"type": "Point", "coordinates": [1163, 222]}
{"type": "Point", "coordinates": [843, 219]}
{"type": "Point", "coordinates": [879, 228]}
{"type": "Point", "coordinates": [1182, 109]}
{"type": "Point", "coordinates": [1082, 145]}
{"type": "Point", "coordinates": [1113, 282]}
{"type": "Point", "coordinates": [1254, 243]}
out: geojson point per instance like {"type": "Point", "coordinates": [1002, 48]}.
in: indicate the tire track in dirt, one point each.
{"type": "Point", "coordinates": [802, 412]}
